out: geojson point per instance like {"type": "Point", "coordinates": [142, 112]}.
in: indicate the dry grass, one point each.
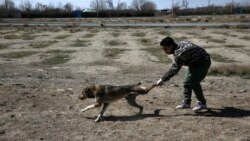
{"type": "Point", "coordinates": [20, 54]}
{"type": "Point", "coordinates": [113, 52]}
{"type": "Point", "coordinates": [159, 53]}
{"type": "Point", "coordinates": [164, 33]}
{"type": "Point", "coordinates": [43, 44]}
{"type": "Point", "coordinates": [139, 34]}
{"type": "Point", "coordinates": [146, 41]}
{"type": "Point", "coordinates": [57, 59]}
{"type": "Point", "coordinates": [28, 36]}
{"type": "Point", "coordinates": [89, 35]}
{"type": "Point", "coordinates": [11, 37]}
{"type": "Point", "coordinates": [220, 58]}
{"type": "Point", "coordinates": [3, 46]}
{"type": "Point", "coordinates": [177, 39]}
{"type": "Point", "coordinates": [74, 30]}
{"type": "Point", "coordinates": [234, 46]}
{"type": "Point", "coordinates": [57, 51]}
{"type": "Point", "coordinates": [245, 38]}
{"type": "Point", "coordinates": [205, 37]}
{"type": "Point", "coordinates": [62, 36]}
{"type": "Point", "coordinates": [231, 70]}
{"type": "Point", "coordinates": [114, 43]}
{"type": "Point", "coordinates": [81, 43]}
{"type": "Point", "coordinates": [115, 34]}
{"type": "Point", "coordinates": [217, 40]}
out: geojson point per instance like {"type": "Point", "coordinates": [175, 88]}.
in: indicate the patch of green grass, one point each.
{"type": "Point", "coordinates": [245, 38]}
{"type": "Point", "coordinates": [178, 39]}
{"type": "Point", "coordinates": [114, 43]}
{"type": "Point", "coordinates": [139, 34]}
{"type": "Point", "coordinates": [94, 31]}
{"type": "Point", "coordinates": [242, 27]}
{"type": "Point", "coordinates": [113, 52]}
{"type": "Point", "coordinates": [27, 36]}
{"type": "Point", "coordinates": [220, 58]}
{"type": "Point", "coordinates": [233, 35]}
{"type": "Point", "coordinates": [81, 43]}
{"type": "Point", "coordinates": [57, 51]}
{"type": "Point", "coordinates": [205, 37]}
{"type": "Point", "coordinates": [57, 59]}
{"type": "Point", "coordinates": [43, 44]}
{"type": "Point", "coordinates": [12, 37]}
{"type": "Point", "coordinates": [62, 36]}
{"type": "Point", "coordinates": [234, 46]}
{"type": "Point", "coordinates": [164, 33]}
{"type": "Point", "coordinates": [159, 53]}
{"type": "Point", "coordinates": [3, 46]}
{"type": "Point", "coordinates": [146, 41]}
{"type": "Point", "coordinates": [231, 70]}
{"type": "Point", "coordinates": [74, 30]}
{"type": "Point", "coordinates": [217, 40]}
{"type": "Point", "coordinates": [193, 33]}
{"type": "Point", "coordinates": [221, 33]}
{"type": "Point", "coordinates": [16, 55]}
{"type": "Point", "coordinates": [89, 35]}
{"type": "Point", "coordinates": [115, 34]}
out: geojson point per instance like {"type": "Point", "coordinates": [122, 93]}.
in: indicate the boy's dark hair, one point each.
{"type": "Point", "coordinates": [167, 41]}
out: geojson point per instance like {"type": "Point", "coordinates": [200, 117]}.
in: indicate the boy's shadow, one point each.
{"type": "Point", "coordinates": [227, 112]}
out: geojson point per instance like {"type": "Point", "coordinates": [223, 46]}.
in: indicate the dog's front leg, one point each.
{"type": "Point", "coordinates": [105, 106]}
{"type": "Point", "coordinates": [91, 107]}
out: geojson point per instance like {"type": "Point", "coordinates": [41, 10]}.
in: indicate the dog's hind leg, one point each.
{"type": "Point", "coordinates": [105, 106]}
{"type": "Point", "coordinates": [131, 101]}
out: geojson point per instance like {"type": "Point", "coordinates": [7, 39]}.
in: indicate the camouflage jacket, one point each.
{"type": "Point", "coordinates": [187, 54]}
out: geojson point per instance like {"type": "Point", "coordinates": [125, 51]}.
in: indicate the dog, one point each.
{"type": "Point", "coordinates": [106, 94]}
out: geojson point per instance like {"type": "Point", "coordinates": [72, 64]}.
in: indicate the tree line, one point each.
{"type": "Point", "coordinates": [100, 8]}
{"type": "Point", "coordinates": [106, 8]}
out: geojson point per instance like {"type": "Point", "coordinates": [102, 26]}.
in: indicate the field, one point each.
{"type": "Point", "coordinates": [43, 70]}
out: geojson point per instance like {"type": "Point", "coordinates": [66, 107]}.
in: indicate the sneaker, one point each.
{"type": "Point", "coordinates": [199, 107]}
{"type": "Point", "coordinates": [183, 106]}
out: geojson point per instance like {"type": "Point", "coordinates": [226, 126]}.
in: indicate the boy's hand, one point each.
{"type": "Point", "coordinates": [159, 82]}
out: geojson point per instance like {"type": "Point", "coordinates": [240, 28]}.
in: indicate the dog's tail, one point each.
{"type": "Point", "coordinates": [150, 88]}
{"type": "Point", "coordinates": [143, 90]}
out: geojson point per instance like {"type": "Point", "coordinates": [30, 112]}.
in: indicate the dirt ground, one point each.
{"type": "Point", "coordinates": [38, 95]}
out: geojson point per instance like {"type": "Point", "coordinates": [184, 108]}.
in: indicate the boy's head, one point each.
{"type": "Point", "coordinates": [168, 45]}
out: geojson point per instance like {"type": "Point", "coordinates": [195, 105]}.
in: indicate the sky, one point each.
{"type": "Point", "coordinates": [161, 4]}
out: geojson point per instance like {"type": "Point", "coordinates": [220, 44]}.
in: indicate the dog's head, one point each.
{"type": "Point", "coordinates": [87, 92]}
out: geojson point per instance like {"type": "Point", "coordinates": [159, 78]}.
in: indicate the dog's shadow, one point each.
{"type": "Point", "coordinates": [130, 118]}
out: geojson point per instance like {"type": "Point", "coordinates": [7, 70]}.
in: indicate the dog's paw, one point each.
{"type": "Point", "coordinates": [82, 110]}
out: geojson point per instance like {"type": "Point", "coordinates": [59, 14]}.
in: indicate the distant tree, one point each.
{"type": "Point", "coordinates": [26, 6]}
{"type": "Point", "coordinates": [143, 5]}
{"type": "Point", "coordinates": [175, 7]}
{"type": "Point", "coordinates": [136, 4]}
{"type": "Point", "coordinates": [122, 6]}
{"type": "Point", "coordinates": [40, 7]}
{"type": "Point", "coordinates": [98, 5]}
{"type": "Point", "coordinates": [148, 6]}
{"type": "Point", "coordinates": [9, 5]}
{"type": "Point", "coordinates": [185, 3]}
{"type": "Point", "coordinates": [110, 4]}
{"type": "Point", "coordinates": [68, 7]}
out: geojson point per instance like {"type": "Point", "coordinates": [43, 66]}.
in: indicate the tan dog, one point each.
{"type": "Point", "coordinates": [106, 94]}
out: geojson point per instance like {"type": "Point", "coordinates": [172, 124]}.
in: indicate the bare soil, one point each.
{"type": "Point", "coordinates": [38, 101]}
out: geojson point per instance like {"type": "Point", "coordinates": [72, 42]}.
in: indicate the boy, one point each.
{"type": "Point", "coordinates": [198, 62]}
